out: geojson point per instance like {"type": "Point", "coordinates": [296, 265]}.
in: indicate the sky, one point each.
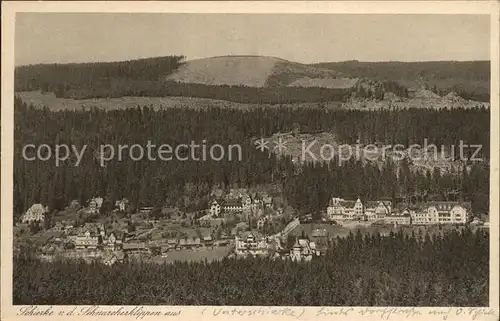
{"type": "Point", "coordinates": [306, 38]}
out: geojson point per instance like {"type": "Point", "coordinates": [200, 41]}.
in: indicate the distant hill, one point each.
{"type": "Point", "coordinates": [253, 79]}
{"type": "Point", "coordinates": [242, 79]}
{"type": "Point", "coordinates": [64, 77]}
{"type": "Point", "coordinates": [257, 71]}
{"type": "Point", "coordinates": [251, 71]}
{"type": "Point", "coordinates": [470, 79]}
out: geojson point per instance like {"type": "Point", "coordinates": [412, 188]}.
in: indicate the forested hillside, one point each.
{"type": "Point", "coordinates": [64, 77]}
{"type": "Point", "coordinates": [307, 188]}
{"type": "Point", "coordinates": [369, 270]}
{"type": "Point", "coordinates": [228, 78]}
{"type": "Point", "coordinates": [148, 77]}
{"type": "Point", "coordinates": [470, 79]}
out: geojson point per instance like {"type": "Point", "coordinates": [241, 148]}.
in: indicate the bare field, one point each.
{"type": "Point", "coordinates": [257, 71]}
{"type": "Point", "coordinates": [251, 71]}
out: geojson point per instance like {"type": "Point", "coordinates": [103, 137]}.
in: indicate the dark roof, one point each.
{"type": "Point", "coordinates": [448, 206]}
{"type": "Point", "coordinates": [256, 235]}
{"type": "Point", "coordinates": [232, 202]}
{"type": "Point", "coordinates": [345, 203]}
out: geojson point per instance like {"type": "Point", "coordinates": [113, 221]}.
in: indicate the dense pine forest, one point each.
{"type": "Point", "coordinates": [370, 270]}
{"type": "Point", "coordinates": [56, 77]}
{"type": "Point", "coordinates": [307, 188]}
{"type": "Point", "coordinates": [238, 94]}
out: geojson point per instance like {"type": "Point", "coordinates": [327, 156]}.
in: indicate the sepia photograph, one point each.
{"type": "Point", "coordinates": [251, 159]}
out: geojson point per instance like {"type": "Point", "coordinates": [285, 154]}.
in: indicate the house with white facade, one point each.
{"type": "Point", "coordinates": [340, 209]}
{"type": "Point", "coordinates": [442, 213]}
{"type": "Point", "coordinates": [95, 205]}
{"type": "Point", "coordinates": [377, 210]}
{"type": "Point", "coordinates": [215, 209]}
{"type": "Point", "coordinates": [247, 203]}
{"type": "Point", "coordinates": [89, 236]}
{"type": "Point", "coordinates": [303, 250]}
{"type": "Point", "coordinates": [36, 213]}
{"type": "Point", "coordinates": [261, 222]}
{"type": "Point", "coordinates": [121, 205]}
{"type": "Point", "coordinates": [404, 219]}
{"type": "Point", "coordinates": [250, 243]}
{"type": "Point", "coordinates": [113, 241]}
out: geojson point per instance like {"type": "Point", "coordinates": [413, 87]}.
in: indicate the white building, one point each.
{"type": "Point", "coordinates": [247, 203]}
{"type": "Point", "coordinates": [215, 209]}
{"type": "Point", "coordinates": [377, 210]}
{"type": "Point", "coordinates": [232, 206]}
{"type": "Point", "coordinates": [36, 213]}
{"type": "Point", "coordinates": [303, 250]}
{"type": "Point", "coordinates": [95, 205]}
{"type": "Point", "coordinates": [340, 209]}
{"type": "Point", "coordinates": [250, 243]}
{"type": "Point", "coordinates": [88, 236]}
{"type": "Point", "coordinates": [122, 204]}
{"type": "Point", "coordinates": [404, 219]}
{"type": "Point", "coordinates": [442, 213]}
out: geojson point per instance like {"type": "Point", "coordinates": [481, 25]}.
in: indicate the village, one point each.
{"type": "Point", "coordinates": [236, 224]}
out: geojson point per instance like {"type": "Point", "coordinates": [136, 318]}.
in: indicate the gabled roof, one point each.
{"type": "Point", "coordinates": [256, 235]}
{"type": "Point", "coordinates": [303, 242]}
{"type": "Point", "coordinates": [37, 208]}
{"type": "Point", "coordinates": [97, 200]}
{"type": "Point", "coordinates": [122, 201]}
{"type": "Point", "coordinates": [217, 200]}
{"type": "Point", "coordinates": [448, 206]}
